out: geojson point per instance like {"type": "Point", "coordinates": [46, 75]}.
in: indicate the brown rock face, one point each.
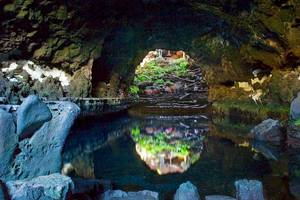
{"type": "Point", "coordinates": [232, 40]}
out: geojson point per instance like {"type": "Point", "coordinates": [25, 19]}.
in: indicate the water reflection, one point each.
{"type": "Point", "coordinates": [125, 149]}
{"type": "Point", "coordinates": [168, 147]}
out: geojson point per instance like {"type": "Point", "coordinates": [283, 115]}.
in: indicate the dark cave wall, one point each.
{"type": "Point", "coordinates": [230, 37]}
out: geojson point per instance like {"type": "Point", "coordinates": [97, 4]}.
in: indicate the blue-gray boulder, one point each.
{"type": "Point", "coordinates": [187, 191]}
{"type": "Point", "coordinates": [121, 195]}
{"type": "Point", "coordinates": [52, 187]}
{"type": "Point", "coordinates": [269, 130]}
{"type": "Point", "coordinates": [42, 153]}
{"type": "Point", "coordinates": [218, 197]}
{"type": "Point", "coordinates": [31, 116]}
{"type": "Point", "coordinates": [295, 108]}
{"type": "Point", "coordinates": [8, 142]}
{"type": "Point", "coordinates": [249, 190]}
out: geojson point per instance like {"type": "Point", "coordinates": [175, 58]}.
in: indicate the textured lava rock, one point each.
{"type": "Point", "coordinates": [249, 190]}
{"type": "Point", "coordinates": [187, 191]}
{"type": "Point", "coordinates": [8, 142]}
{"type": "Point", "coordinates": [295, 108]}
{"type": "Point", "coordinates": [121, 195]}
{"type": "Point", "coordinates": [52, 187]}
{"type": "Point", "coordinates": [41, 154]}
{"type": "Point", "coordinates": [293, 136]}
{"type": "Point", "coordinates": [31, 115]}
{"type": "Point", "coordinates": [269, 130]}
{"type": "Point", "coordinates": [218, 197]}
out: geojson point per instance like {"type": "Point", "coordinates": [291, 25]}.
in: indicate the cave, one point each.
{"type": "Point", "coordinates": [149, 99]}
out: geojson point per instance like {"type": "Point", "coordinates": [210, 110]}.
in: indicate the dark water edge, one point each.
{"type": "Point", "coordinates": [102, 148]}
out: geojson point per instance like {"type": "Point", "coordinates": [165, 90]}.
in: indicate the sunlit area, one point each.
{"type": "Point", "coordinates": [167, 150]}
{"type": "Point", "coordinates": [150, 100]}
{"type": "Point", "coordinates": [166, 72]}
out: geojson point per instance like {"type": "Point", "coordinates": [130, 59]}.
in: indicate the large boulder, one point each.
{"type": "Point", "coordinates": [249, 190]}
{"type": "Point", "coordinates": [269, 130]}
{"type": "Point", "coordinates": [8, 142]}
{"type": "Point", "coordinates": [295, 108]}
{"type": "Point", "coordinates": [42, 153]}
{"type": "Point", "coordinates": [52, 187]}
{"type": "Point", "coordinates": [218, 197]}
{"type": "Point", "coordinates": [187, 191]}
{"type": "Point", "coordinates": [31, 115]}
{"type": "Point", "coordinates": [121, 195]}
{"type": "Point", "coordinates": [293, 136]}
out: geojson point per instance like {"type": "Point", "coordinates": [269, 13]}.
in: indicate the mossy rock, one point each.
{"type": "Point", "coordinates": [248, 112]}
{"type": "Point", "coordinates": [66, 54]}
{"type": "Point", "coordinates": [9, 8]}
{"type": "Point", "coordinates": [22, 14]}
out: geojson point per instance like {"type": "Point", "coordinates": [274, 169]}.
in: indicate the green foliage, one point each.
{"type": "Point", "coordinates": [155, 72]}
{"type": "Point", "coordinates": [134, 90]}
{"type": "Point", "coordinates": [297, 122]}
{"type": "Point", "coordinates": [297, 173]}
{"type": "Point", "coordinates": [159, 143]}
{"type": "Point", "coordinates": [136, 132]}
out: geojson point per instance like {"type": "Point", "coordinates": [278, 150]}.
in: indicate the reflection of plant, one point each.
{"type": "Point", "coordinates": [136, 132]}
{"type": "Point", "coordinates": [134, 90]}
{"type": "Point", "coordinates": [297, 122]}
{"type": "Point", "coordinates": [159, 143]}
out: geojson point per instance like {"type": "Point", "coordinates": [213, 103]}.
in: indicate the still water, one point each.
{"type": "Point", "coordinates": [159, 153]}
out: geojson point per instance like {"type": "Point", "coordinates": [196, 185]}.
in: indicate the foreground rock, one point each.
{"type": "Point", "coordinates": [218, 197]}
{"type": "Point", "coordinates": [3, 191]}
{"type": "Point", "coordinates": [187, 191]}
{"type": "Point", "coordinates": [8, 142]}
{"type": "Point", "coordinates": [293, 136]}
{"type": "Point", "coordinates": [85, 188]}
{"type": "Point", "coordinates": [31, 115]}
{"type": "Point", "coordinates": [41, 154]}
{"type": "Point", "coordinates": [249, 190]}
{"type": "Point", "coordinates": [121, 195]}
{"type": "Point", "coordinates": [269, 130]}
{"type": "Point", "coordinates": [52, 187]}
{"type": "Point", "coordinates": [295, 108]}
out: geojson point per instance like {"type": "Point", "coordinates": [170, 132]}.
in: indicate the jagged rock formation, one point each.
{"type": "Point", "coordinates": [237, 39]}
{"type": "Point", "coordinates": [52, 187]}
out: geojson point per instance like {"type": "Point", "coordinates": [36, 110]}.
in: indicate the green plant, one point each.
{"type": "Point", "coordinates": [297, 122]}
{"type": "Point", "coordinates": [134, 90]}
{"type": "Point", "coordinates": [136, 132]}
{"type": "Point", "coordinates": [159, 143]}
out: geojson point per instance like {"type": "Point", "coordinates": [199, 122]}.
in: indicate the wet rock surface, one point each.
{"type": "Point", "coordinates": [40, 154]}
{"type": "Point", "coordinates": [121, 195]}
{"type": "Point", "coordinates": [187, 191]}
{"type": "Point", "coordinates": [249, 190]}
{"type": "Point", "coordinates": [31, 116]}
{"type": "Point", "coordinates": [293, 136]}
{"type": "Point", "coordinates": [51, 187]}
{"type": "Point", "coordinates": [269, 130]}
{"type": "Point", "coordinates": [218, 197]}
{"type": "Point", "coordinates": [45, 146]}
{"type": "Point", "coordinates": [295, 108]}
{"type": "Point", "coordinates": [8, 142]}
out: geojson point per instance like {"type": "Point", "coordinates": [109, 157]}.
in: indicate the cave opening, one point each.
{"type": "Point", "coordinates": [167, 73]}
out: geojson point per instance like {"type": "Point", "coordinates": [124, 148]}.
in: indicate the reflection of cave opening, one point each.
{"type": "Point", "coordinates": [167, 72]}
